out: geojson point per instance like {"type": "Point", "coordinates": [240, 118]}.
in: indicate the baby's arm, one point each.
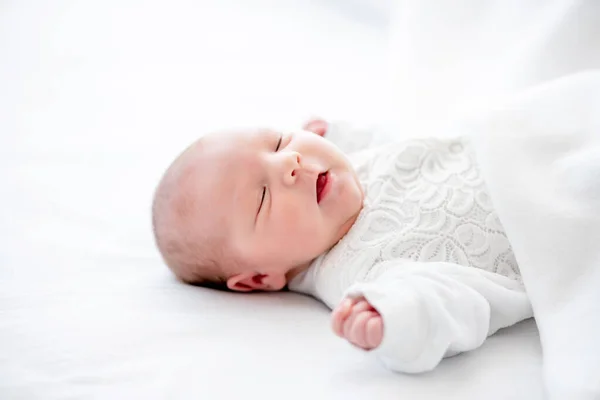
{"type": "Point", "coordinates": [415, 314]}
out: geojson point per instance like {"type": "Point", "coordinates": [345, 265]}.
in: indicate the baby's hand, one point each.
{"type": "Point", "coordinates": [358, 322]}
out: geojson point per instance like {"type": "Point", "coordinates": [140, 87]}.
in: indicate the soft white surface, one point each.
{"type": "Point", "coordinates": [95, 99]}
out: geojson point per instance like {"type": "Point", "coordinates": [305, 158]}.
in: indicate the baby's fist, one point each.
{"type": "Point", "coordinates": [358, 322]}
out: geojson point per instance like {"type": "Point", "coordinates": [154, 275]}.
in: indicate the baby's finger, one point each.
{"type": "Point", "coordinates": [339, 315]}
{"type": "Point", "coordinates": [348, 324]}
{"type": "Point", "coordinates": [359, 329]}
{"type": "Point", "coordinates": [361, 305]}
{"type": "Point", "coordinates": [374, 331]}
{"type": "Point", "coordinates": [336, 323]}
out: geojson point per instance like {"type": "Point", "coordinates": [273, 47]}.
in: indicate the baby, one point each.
{"type": "Point", "coordinates": [401, 241]}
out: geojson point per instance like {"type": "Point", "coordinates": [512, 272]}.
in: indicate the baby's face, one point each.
{"type": "Point", "coordinates": [283, 199]}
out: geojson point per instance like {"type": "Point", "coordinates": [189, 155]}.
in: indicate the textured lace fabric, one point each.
{"type": "Point", "coordinates": [425, 201]}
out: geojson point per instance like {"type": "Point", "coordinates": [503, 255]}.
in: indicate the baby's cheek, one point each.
{"type": "Point", "coordinates": [297, 223]}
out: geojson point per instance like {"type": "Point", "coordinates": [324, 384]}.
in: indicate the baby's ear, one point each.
{"type": "Point", "coordinates": [252, 282]}
{"type": "Point", "coordinates": [248, 282]}
{"type": "Point", "coordinates": [316, 125]}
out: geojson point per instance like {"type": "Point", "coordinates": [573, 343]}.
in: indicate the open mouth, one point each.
{"type": "Point", "coordinates": [322, 181]}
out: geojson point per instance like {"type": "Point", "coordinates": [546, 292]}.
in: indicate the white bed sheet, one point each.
{"type": "Point", "coordinates": [95, 100]}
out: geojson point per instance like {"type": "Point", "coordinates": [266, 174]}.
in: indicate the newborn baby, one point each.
{"type": "Point", "coordinates": [401, 241]}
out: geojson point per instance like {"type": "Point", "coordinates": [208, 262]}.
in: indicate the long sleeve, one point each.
{"type": "Point", "coordinates": [435, 310]}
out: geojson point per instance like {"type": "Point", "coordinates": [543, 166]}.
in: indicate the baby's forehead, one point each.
{"type": "Point", "coordinates": [237, 138]}
{"type": "Point", "coordinates": [227, 152]}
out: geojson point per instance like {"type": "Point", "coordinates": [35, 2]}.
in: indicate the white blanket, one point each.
{"type": "Point", "coordinates": [541, 157]}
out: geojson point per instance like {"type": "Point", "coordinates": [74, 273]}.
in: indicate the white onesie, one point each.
{"type": "Point", "coordinates": [427, 251]}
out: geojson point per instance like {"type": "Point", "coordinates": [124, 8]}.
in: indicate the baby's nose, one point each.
{"type": "Point", "coordinates": [296, 159]}
{"type": "Point", "coordinates": [293, 164]}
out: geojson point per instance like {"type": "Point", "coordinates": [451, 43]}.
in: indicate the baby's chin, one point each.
{"type": "Point", "coordinates": [356, 203]}
{"type": "Point", "coordinates": [346, 226]}
{"type": "Point", "coordinates": [347, 223]}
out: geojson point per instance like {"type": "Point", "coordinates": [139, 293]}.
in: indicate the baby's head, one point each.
{"type": "Point", "coordinates": [249, 210]}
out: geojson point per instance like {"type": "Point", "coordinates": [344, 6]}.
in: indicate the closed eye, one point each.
{"type": "Point", "coordinates": [262, 199]}
{"type": "Point", "coordinates": [264, 192]}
